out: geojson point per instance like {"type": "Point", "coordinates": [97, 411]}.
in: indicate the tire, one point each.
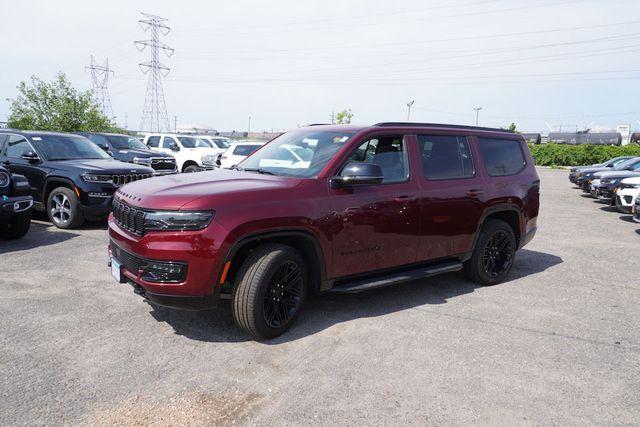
{"type": "Point", "coordinates": [191, 169]}
{"type": "Point", "coordinates": [500, 252]}
{"type": "Point", "coordinates": [252, 309]}
{"type": "Point", "coordinates": [17, 227]}
{"type": "Point", "coordinates": [63, 208]}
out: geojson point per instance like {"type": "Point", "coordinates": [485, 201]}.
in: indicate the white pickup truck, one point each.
{"type": "Point", "coordinates": [192, 154]}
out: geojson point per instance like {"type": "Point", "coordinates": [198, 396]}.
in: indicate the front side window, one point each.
{"type": "Point", "coordinates": [153, 141]}
{"type": "Point", "coordinates": [388, 152]}
{"type": "Point", "coordinates": [191, 142]}
{"type": "Point", "coordinates": [16, 146]}
{"type": "Point", "coordinates": [301, 153]}
{"type": "Point", "coordinates": [100, 140]}
{"type": "Point", "coordinates": [502, 157]}
{"type": "Point", "coordinates": [445, 157]}
{"type": "Point", "coordinates": [67, 147]}
{"type": "Point", "coordinates": [124, 142]}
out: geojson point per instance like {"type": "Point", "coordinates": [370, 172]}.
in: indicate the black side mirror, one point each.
{"type": "Point", "coordinates": [30, 155]}
{"type": "Point", "coordinates": [358, 173]}
{"type": "Point", "coordinates": [174, 146]}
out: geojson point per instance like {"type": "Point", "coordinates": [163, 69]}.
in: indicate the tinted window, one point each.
{"type": "Point", "coordinates": [244, 150]}
{"type": "Point", "coordinates": [502, 156]}
{"type": "Point", "coordinates": [124, 142]}
{"type": "Point", "coordinates": [389, 153]}
{"type": "Point", "coordinates": [221, 143]}
{"type": "Point", "coordinates": [16, 146]}
{"type": "Point", "coordinates": [445, 157]}
{"type": "Point", "coordinates": [66, 147]}
{"type": "Point", "coordinates": [100, 140]}
{"type": "Point", "coordinates": [153, 141]}
{"type": "Point", "coordinates": [190, 142]}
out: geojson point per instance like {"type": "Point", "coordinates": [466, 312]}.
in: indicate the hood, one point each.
{"type": "Point", "coordinates": [206, 190]}
{"type": "Point", "coordinates": [616, 174]}
{"type": "Point", "coordinates": [632, 180]}
{"type": "Point", "coordinates": [592, 169]}
{"type": "Point", "coordinates": [107, 166]}
{"type": "Point", "coordinates": [128, 155]}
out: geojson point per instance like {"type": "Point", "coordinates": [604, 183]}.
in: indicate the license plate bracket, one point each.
{"type": "Point", "coordinates": [116, 270]}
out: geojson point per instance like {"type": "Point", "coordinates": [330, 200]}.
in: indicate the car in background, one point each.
{"type": "Point", "coordinates": [236, 153]}
{"type": "Point", "coordinates": [627, 194]}
{"type": "Point", "coordinates": [220, 142]}
{"type": "Point", "coordinates": [610, 181]}
{"type": "Point", "coordinates": [192, 154]}
{"type": "Point", "coordinates": [636, 210]}
{"type": "Point", "coordinates": [131, 150]}
{"type": "Point", "coordinates": [593, 188]}
{"type": "Point", "coordinates": [15, 205]}
{"type": "Point", "coordinates": [585, 176]}
{"type": "Point", "coordinates": [70, 177]}
{"type": "Point", "coordinates": [575, 171]}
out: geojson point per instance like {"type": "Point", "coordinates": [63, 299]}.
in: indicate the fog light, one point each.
{"type": "Point", "coordinates": [165, 272]}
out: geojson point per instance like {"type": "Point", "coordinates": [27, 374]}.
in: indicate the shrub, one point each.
{"type": "Point", "coordinates": [578, 155]}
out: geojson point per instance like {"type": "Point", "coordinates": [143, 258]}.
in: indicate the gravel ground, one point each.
{"type": "Point", "coordinates": [559, 343]}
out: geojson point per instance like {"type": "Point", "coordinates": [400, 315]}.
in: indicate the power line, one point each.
{"type": "Point", "coordinates": [154, 113]}
{"type": "Point", "coordinates": [99, 85]}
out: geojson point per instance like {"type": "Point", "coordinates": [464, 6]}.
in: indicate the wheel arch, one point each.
{"type": "Point", "coordinates": [303, 241]}
{"type": "Point", "coordinates": [510, 213]}
{"type": "Point", "coordinates": [54, 182]}
{"type": "Point", "coordinates": [188, 163]}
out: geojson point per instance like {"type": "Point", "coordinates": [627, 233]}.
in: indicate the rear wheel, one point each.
{"type": "Point", "coordinates": [493, 254]}
{"type": "Point", "coordinates": [63, 208]}
{"type": "Point", "coordinates": [270, 291]}
{"type": "Point", "coordinates": [17, 227]}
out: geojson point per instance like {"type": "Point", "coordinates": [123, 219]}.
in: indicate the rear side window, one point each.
{"type": "Point", "coordinates": [445, 157]}
{"type": "Point", "coordinates": [244, 150]}
{"type": "Point", "coordinates": [502, 156]}
{"type": "Point", "coordinates": [153, 141]}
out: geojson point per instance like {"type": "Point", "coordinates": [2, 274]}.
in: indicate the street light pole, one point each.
{"type": "Point", "coordinates": [409, 105]}
{"type": "Point", "coordinates": [249, 127]}
{"type": "Point", "coordinates": [477, 110]}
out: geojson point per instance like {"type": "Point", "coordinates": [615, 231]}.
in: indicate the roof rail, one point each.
{"type": "Point", "coordinates": [319, 124]}
{"type": "Point", "coordinates": [441, 125]}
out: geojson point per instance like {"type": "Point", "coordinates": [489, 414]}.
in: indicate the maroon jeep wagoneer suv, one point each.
{"type": "Point", "coordinates": [327, 208]}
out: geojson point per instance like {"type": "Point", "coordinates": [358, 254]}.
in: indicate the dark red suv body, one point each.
{"type": "Point", "coordinates": [189, 240]}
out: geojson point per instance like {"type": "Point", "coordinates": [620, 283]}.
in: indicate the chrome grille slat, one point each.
{"type": "Point", "coordinates": [123, 179]}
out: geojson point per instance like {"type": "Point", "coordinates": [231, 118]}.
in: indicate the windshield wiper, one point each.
{"type": "Point", "coordinates": [259, 170]}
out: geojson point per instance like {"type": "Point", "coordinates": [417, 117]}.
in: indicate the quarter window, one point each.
{"type": "Point", "coordinates": [17, 145]}
{"type": "Point", "coordinates": [445, 157]}
{"type": "Point", "coordinates": [388, 152]}
{"type": "Point", "coordinates": [502, 156]}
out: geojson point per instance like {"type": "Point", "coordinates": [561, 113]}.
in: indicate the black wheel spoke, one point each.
{"type": "Point", "coordinates": [283, 295]}
{"type": "Point", "coordinates": [497, 254]}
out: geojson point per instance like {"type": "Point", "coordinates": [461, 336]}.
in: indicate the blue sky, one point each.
{"type": "Point", "coordinates": [540, 63]}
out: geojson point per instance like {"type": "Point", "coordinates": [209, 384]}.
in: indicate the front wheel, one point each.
{"type": "Point", "coordinates": [17, 227]}
{"type": "Point", "coordinates": [271, 288]}
{"type": "Point", "coordinates": [63, 208]}
{"type": "Point", "coordinates": [493, 254]}
{"type": "Point", "coordinates": [190, 169]}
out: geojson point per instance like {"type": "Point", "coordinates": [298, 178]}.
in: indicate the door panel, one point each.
{"type": "Point", "coordinates": [11, 159]}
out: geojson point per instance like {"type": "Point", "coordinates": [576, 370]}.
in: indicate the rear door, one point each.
{"type": "Point", "coordinates": [11, 154]}
{"type": "Point", "coordinates": [452, 195]}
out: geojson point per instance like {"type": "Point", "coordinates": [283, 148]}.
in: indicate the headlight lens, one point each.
{"type": "Point", "coordinates": [209, 159]}
{"type": "Point", "coordinates": [142, 160]}
{"type": "Point", "coordinates": [91, 177]}
{"type": "Point", "coordinates": [5, 179]}
{"type": "Point", "coordinates": [176, 220]}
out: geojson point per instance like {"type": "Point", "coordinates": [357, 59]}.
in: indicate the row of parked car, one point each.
{"type": "Point", "coordinates": [616, 181]}
{"type": "Point", "coordinates": [72, 177]}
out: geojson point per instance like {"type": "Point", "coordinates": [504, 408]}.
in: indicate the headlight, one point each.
{"type": "Point", "coordinates": [142, 160]}
{"type": "Point", "coordinates": [5, 179]}
{"type": "Point", "coordinates": [629, 185]}
{"type": "Point", "coordinates": [209, 159]}
{"type": "Point", "coordinates": [90, 177]}
{"type": "Point", "coordinates": [176, 220]}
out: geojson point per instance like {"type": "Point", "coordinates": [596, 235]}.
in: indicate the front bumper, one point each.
{"type": "Point", "coordinates": [201, 251]}
{"type": "Point", "coordinates": [10, 206]}
{"type": "Point", "coordinates": [606, 192]}
{"type": "Point", "coordinates": [625, 198]}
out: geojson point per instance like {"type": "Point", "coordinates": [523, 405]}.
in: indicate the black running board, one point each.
{"type": "Point", "coordinates": [362, 285]}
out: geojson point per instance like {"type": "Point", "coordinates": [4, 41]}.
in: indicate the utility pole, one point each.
{"type": "Point", "coordinates": [333, 117]}
{"type": "Point", "coordinates": [409, 105]}
{"type": "Point", "coordinates": [249, 127]}
{"type": "Point", "coordinates": [126, 117]}
{"type": "Point", "coordinates": [99, 85]}
{"type": "Point", "coordinates": [477, 110]}
{"type": "Point", "coordinates": [175, 124]}
{"type": "Point", "coordinates": [154, 113]}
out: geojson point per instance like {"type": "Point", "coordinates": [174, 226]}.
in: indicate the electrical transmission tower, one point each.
{"type": "Point", "coordinates": [154, 114]}
{"type": "Point", "coordinates": [99, 85]}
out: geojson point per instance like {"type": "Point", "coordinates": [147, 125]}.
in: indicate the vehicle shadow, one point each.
{"type": "Point", "coordinates": [627, 218]}
{"type": "Point", "coordinates": [40, 234]}
{"type": "Point", "coordinates": [326, 310]}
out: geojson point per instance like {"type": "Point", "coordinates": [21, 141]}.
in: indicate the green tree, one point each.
{"type": "Point", "coordinates": [344, 117]}
{"type": "Point", "coordinates": [512, 127]}
{"type": "Point", "coordinates": [56, 106]}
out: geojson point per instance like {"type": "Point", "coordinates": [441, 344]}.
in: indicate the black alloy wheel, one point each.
{"type": "Point", "coordinates": [283, 296]}
{"type": "Point", "coordinates": [497, 256]}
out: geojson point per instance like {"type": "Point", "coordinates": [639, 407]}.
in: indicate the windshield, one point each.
{"type": "Point", "coordinates": [626, 163]}
{"type": "Point", "coordinates": [124, 142]}
{"type": "Point", "coordinates": [190, 142]}
{"type": "Point", "coordinates": [63, 147]}
{"type": "Point", "coordinates": [300, 153]}
{"type": "Point", "coordinates": [222, 143]}
{"type": "Point", "coordinates": [244, 150]}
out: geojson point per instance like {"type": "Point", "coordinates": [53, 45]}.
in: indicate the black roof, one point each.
{"type": "Point", "coordinates": [442, 126]}
{"type": "Point", "coordinates": [35, 132]}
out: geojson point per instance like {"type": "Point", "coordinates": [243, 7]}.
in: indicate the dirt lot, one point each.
{"type": "Point", "coordinates": [559, 343]}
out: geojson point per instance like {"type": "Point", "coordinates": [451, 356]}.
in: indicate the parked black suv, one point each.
{"type": "Point", "coordinates": [69, 176]}
{"type": "Point", "coordinates": [15, 205]}
{"type": "Point", "coordinates": [131, 150]}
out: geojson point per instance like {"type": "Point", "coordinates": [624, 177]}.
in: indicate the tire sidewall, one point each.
{"type": "Point", "coordinates": [190, 169]}
{"type": "Point", "coordinates": [17, 227]}
{"type": "Point", "coordinates": [477, 264]}
{"type": "Point", "coordinates": [76, 216]}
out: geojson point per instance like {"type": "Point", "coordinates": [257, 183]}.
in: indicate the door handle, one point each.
{"type": "Point", "coordinates": [474, 192]}
{"type": "Point", "coordinates": [406, 199]}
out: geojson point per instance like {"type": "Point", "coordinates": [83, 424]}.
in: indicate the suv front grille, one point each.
{"type": "Point", "coordinates": [128, 217]}
{"type": "Point", "coordinates": [130, 262]}
{"type": "Point", "coordinates": [119, 180]}
{"type": "Point", "coordinates": [163, 164]}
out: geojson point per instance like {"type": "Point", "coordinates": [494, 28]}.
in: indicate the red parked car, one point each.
{"type": "Point", "coordinates": [327, 208]}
